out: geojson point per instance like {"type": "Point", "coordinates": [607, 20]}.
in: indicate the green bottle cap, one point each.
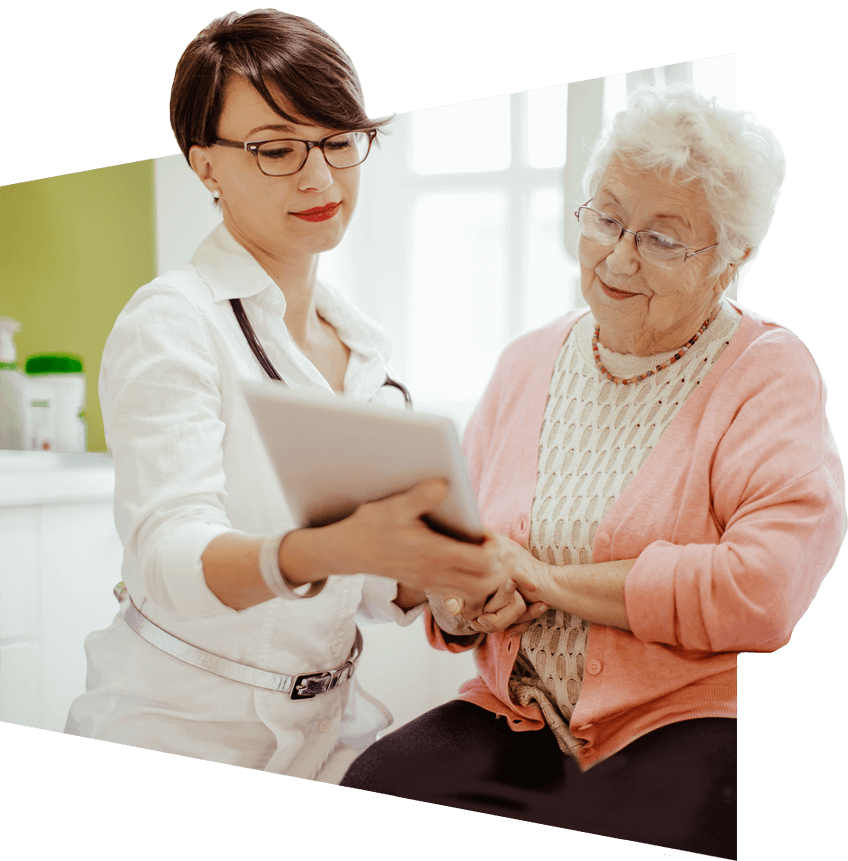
{"type": "Point", "coordinates": [54, 363]}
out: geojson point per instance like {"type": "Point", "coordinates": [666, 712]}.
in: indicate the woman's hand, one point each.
{"type": "Point", "coordinates": [446, 612]}
{"type": "Point", "coordinates": [531, 576]}
{"type": "Point", "coordinates": [503, 611]}
{"type": "Point", "coordinates": [506, 610]}
{"type": "Point", "coordinates": [594, 592]}
{"type": "Point", "coordinates": [390, 539]}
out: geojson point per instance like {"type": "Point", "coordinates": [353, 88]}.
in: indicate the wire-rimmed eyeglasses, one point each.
{"type": "Point", "coordinates": [653, 247]}
{"type": "Point", "coordinates": [287, 156]}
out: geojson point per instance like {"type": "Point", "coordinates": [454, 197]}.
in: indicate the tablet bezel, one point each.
{"type": "Point", "coordinates": [332, 454]}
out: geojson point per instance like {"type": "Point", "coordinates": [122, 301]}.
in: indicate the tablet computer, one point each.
{"type": "Point", "coordinates": [332, 454]}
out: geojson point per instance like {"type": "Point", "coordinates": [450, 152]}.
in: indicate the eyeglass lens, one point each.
{"type": "Point", "coordinates": [653, 246]}
{"type": "Point", "coordinates": [282, 157]}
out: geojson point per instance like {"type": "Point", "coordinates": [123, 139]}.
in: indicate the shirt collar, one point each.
{"type": "Point", "coordinates": [233, 273]}
{"type": "Point", "coordinates": [230, 270]}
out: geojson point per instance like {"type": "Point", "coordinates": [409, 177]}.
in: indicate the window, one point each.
{"type": "Point", "coordinates": [486, 258]}
{"type": "Point", "coordinates": [461, 235]}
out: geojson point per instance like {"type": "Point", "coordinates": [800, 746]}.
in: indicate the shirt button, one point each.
{"type": "Point", "coordinates": [325, 726]}
{"type": "Point", "coordinates": [593, 667]}
{"type": "Point", "coordinates": [602, 539]}
{"type": "Point", "coordinates": [334, 646]}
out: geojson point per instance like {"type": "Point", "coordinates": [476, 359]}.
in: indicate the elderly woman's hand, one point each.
{"type": "Point", "coordinates": [531, 576]}
{"type": "Point", "coordinates": [449, 615]}
{"type": "Point", "coordinates": [506, 610]}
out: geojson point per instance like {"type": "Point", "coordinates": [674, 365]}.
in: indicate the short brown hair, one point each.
{"type": "Point", "coordinates": [270, 49]}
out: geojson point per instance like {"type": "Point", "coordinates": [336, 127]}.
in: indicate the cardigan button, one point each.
{"type": "Point", "coordinates": [602, 539]}
{"type": "Point", "coordinates": [325, 726]}
{"type": "Point", "coordinates": [593, 667]}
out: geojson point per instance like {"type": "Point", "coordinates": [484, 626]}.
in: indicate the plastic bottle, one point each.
{"type": "Point", "coordinates": [55, 401]}
{"type": "Point", "coordinates": [12, 385]}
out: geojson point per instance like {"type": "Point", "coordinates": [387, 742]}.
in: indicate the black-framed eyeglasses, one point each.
{"type": "Point", "coordinates": [653, 247]}
{"type": "Point", "coordinates": [287, 156]}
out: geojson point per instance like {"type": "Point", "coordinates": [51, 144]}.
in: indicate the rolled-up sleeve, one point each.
{"type": "Point", "coordinates": [378, 602]}
{"type": "Point", "coordinates": [160, 392]}
{"type": "Point", "coordinates": [776, 497]}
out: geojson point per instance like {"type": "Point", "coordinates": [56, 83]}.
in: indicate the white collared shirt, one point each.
{"type": "Point", "coordinates": [189, 466]}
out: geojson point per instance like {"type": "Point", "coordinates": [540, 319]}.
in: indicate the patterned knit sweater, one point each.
{"type": "Point", "coordinates": [594, 437]}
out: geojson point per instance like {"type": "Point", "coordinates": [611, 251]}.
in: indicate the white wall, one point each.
{"type": "Point", "coordinates": [184, 212]}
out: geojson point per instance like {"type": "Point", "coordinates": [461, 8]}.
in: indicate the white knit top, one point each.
{"type": "Point", "coordinates": [595, 435]}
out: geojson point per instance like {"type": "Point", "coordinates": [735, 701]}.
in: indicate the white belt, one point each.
{"type": "Point", "coordinates": [300, 687]}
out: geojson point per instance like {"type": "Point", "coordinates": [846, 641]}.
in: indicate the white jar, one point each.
{"type": "Point", "coordinates": [55, 403]}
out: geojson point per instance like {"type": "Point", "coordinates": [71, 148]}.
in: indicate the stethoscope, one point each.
{"type": "Point", "coordinates": [261, 355]}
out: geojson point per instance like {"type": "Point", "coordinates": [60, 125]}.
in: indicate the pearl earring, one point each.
{"type": "Point", "coordinates": [216, 195]}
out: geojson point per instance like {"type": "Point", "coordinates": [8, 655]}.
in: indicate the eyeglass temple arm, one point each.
{"type": "Point", "coordinates": [700, 250]}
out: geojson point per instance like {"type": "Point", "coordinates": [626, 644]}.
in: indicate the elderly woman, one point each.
{"type": "Point", "coordinates": [671, 491]}
{"type": "Point", "coordinates": [218, 653]}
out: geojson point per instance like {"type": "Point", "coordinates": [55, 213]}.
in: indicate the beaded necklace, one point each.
{"type": "Point", "coordinates": [639, 377]}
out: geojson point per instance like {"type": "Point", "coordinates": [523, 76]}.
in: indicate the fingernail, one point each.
{"type": "Point", "coordinates": [452, 606]}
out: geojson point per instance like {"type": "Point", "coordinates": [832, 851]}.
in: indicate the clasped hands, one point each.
{"type": "Point", "coordinates": [510, 608]}
{"type": "Point", "coordinates": [594, 592]}
{"type": "Point", "coordinates": [471, 589]}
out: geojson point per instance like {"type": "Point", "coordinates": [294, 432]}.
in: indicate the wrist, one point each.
{"type": "Point", "coordinates": [306, 555]}
{"type": "Point", "coordinates": [547, 586]}
{"type": "Point", "coordinates": [274, 574]}
{"type": "Point", "coordinates": [408, 597]}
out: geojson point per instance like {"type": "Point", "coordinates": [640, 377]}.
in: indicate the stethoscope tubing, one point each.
{"type": "Point", "coordinates": [271, 371]}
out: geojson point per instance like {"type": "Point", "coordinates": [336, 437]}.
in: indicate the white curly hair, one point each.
{"type": "Point", "coordinates": [682, 135]}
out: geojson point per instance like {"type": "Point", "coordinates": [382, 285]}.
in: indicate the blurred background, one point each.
{"type": "Point", "coordinates": [463, 239]}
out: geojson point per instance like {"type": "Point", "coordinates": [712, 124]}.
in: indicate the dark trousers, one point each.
{"type": "Point", "coordinates": [673, 787]}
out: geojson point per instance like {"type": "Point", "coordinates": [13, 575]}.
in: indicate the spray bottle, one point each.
{"type": "Point", "coordinates": [12, 385]}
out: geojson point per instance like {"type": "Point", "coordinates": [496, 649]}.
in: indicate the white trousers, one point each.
{"type": "Point", "coordinates": [142, 697]}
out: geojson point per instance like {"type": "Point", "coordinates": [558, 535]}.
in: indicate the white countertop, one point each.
{"type": "Point", "coordinates": [43, 477]}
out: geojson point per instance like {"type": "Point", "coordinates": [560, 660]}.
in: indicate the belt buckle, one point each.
{"type": "Point", "coordinates": [308, 685]}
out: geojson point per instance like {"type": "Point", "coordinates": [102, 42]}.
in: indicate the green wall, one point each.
{"type": "Point", "coordinates": [73, 249]}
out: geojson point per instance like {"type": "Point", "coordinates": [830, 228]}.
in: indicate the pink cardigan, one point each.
{"type": "Point", "coordinates": [735, 517]}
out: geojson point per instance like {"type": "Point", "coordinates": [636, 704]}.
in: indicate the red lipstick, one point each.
{"type": "Point", "coordinates": [318, 213]}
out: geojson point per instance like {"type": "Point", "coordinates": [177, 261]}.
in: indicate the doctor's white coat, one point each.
{"type": "Point", "coordinates": [189, 466]}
